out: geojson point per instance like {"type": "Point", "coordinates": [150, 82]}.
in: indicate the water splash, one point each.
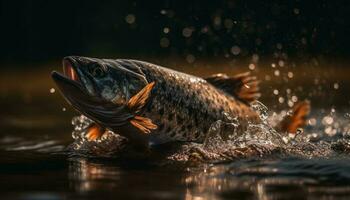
{"type": "Point", "coordinates": [225, 140]}
{"type": "Point", "coordinates": [261, 109]}
{"type": "Point", "coordinates": [106, 146]}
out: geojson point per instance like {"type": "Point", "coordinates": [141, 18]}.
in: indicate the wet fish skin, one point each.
{"type": "Point", "coordinates": [184, 106]}
{"type": "Point", "coordinates": [178, 106]}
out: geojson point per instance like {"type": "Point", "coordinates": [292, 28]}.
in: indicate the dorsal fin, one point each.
{"type": "Point", "coordinates": [135, 103]}
{"type": "Point", "coordinates": [242, 86]}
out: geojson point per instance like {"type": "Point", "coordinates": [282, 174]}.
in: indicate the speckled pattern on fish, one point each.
{"type": "Point", "coordinates": [184, 106]}
{"type": "Point", "coordinates": [150, 104]}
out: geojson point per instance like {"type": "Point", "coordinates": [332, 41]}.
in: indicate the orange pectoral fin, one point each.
{"type": "Point", "coordinates": [135, 104]}
{"type": "Point", "coordinates": [143, 124]}
{"type": "Point", "coordinates": [94, 132]}
{"type": "Point", "coordinates": [139, 100]}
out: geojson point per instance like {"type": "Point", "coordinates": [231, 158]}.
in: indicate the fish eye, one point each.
{"type": "Point", "coordinates": [97, 71]}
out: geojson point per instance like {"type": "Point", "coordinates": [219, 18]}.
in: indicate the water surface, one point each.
{"type": "Point", "coordinates": [35, 131]}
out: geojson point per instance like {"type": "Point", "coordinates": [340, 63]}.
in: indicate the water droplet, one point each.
{"type": "Point", "coordinates": [255, 58]}
{"type": "Point", "coordinates": [52, 90]}
{"type": "Point", "coordinates": [235, 50]}
{"type": "Point", "coordinates": [327, 120]}
{"type": "Point", "coordinates": [190, 58]}
{"type": "Point", "coordinates": [315, 135]}
{"type": "Point", "coordinates": [63, 109]}
{"type": "Point", "coordinates": [347, 115]}
{"type": "Point", "coordinates": [299, 131]}
{"type": "Point", "coordinates": [336, 86]}
{"type": "Point", "coordinates": [276, 72]}
{"type": "Point", "coordinates": [273, 65]}
{"type": "Point", "coordinates": [290, 74]}
{"type": "Point", "coordinates": [292, 135]}
{"type": "Point", "coordinates": [281, 63]}
{"type": "Point", "coordinates": [205, 29]}
{"type": "Point", "coordinates": [312, 122]}
{"type": "Point", "coordinates": [296, 11]}
{"type": "Point", "coordinates": [275, 92]}
{"type": "Point", "coordinates": [130, 19]}
{"type": "Point", "coordinates": [330, 131]}
{"type": "Point", "coordinates": [290, 103]}
{"type": "Point", "coordinates": [285, 140]}
{"type": "Point", "coordinates": [166, 30]}
{"type": "Point", "coordinates": [251, 66]}
{"type": "Point", "coordinates": [164, 42]}
{"type": "Point", "coordinates": [187, 32]}
{"type": "Point", "coordinates": [261, 109]}
{"type": "Point", "coordinates": [281, 99]}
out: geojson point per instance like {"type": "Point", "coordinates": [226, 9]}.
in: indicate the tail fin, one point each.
{"type": "Point", "coordinates": [290, 123]}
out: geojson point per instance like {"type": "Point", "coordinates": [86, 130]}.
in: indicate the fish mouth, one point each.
{"type": "Point", "coordinates": [76, 86]}
{"type": "Point", "coordinates": [79, 90]}
{"type": "Point", "coordinates": [69, 81]}
{"type": "Point", "coordinates": [73, 78]}
{"type": "Point", "coordinates": [70, 68]}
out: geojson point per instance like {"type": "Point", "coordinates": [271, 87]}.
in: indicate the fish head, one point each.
{"type": "Point", "coordinates": [109, 80]}
{"type": "Point", "coordinates": [99, 88]}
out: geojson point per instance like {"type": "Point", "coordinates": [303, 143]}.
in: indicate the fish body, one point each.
{"type": "Point", "coordinates": [185, 106]}
{"type": "Point", "coordinates": [150, 104]}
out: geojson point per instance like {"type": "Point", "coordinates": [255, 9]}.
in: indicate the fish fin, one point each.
{"type": "Point", "coordinates": [243, 86]}
{"type": "Point", "coordinates": [137, 101]}
{"type": "Point", "coordinates": [94, 132]}
{"type": "Point", "coordinates": [145, 125]}
{"type": "Point", "coordinates": [297, 119]}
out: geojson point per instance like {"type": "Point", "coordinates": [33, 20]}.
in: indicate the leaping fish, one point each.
{"type": "Point", "coordinates": [150, 104]}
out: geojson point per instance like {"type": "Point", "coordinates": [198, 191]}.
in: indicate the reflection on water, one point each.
{"type": "Point", "coordinates": [248, 179]}
{"type": "Point", "coordinates": [88, 177]}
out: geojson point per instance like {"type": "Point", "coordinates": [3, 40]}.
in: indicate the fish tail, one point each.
{"type": "Point", "coordinates": [297, 118]}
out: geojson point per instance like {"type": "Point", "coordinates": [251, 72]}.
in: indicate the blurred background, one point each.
{"type": "Point", "coordinates": [299, 49]}
{"type": "Point", "coordinates": [38, 31]}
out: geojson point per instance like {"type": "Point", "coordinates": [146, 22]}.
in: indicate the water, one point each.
{"type": "Point", "coordinates": [36, 164]}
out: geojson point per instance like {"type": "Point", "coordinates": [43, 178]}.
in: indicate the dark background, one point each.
{"type": "Point", "coordinates": [45, 30]}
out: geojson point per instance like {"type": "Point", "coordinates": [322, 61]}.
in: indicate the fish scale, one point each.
{"type": "Point", "coordinates": [184, 106]}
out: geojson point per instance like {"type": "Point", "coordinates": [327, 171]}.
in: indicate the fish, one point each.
{"type": "Point", "coordinates": [151, 105]}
